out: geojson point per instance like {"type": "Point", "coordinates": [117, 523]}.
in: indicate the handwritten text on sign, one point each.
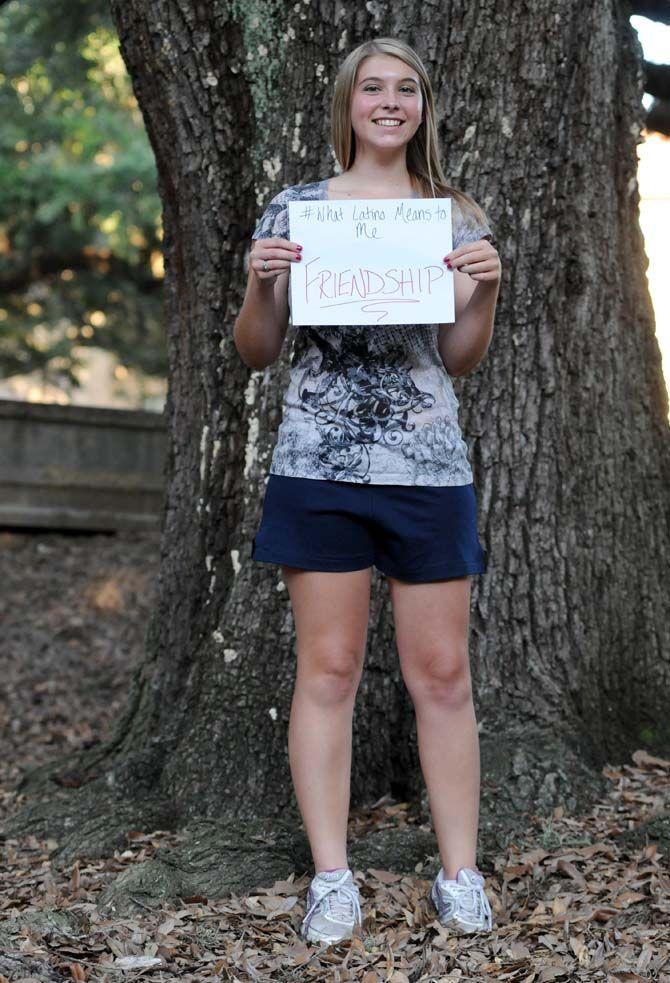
{"type": "Point", "coordinates": [371, 261]}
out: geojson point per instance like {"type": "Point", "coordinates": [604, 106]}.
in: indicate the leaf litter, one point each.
{"type": "Point", "coordinates": [571, 898]}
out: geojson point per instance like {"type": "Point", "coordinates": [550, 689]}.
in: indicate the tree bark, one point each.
{"type": "Point", "coordinates": [540, 113]}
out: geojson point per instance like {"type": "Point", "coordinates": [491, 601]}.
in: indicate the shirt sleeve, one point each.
{"type": "Point", "coordinates": [467, 228]}
{"type": "Point", "coordinates": [273, 223]}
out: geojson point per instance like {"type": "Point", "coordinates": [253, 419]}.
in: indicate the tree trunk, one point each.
{"type": "Point", "coordinates": [540, 113]}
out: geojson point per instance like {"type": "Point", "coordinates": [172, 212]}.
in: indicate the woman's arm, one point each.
{"type": "Point", "coordinates": [261, 325]}
{"type": "Point", "coordinates": [463, 344]}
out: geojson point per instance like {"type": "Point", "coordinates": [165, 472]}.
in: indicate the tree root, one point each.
{"type": "Point", "coordinates": [523, 778]}
{"type": "Point", "coordinates": [91, 821]}
{"type": "Point", "coordinates": [15, 965]}
{"type": "Point", "coordinates": [215, 859]}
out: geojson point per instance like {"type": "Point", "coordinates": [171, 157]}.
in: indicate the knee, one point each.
{"type": "Point", "coordinates": [331, 677]}
{"type": "Point", "coordinates": [440, 680]}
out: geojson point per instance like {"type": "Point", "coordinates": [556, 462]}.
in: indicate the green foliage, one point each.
{"type": "Point", "coordinates": [80, 225]}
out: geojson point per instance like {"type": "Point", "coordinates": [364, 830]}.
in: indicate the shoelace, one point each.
{"type": "Point", "coordinates": [473, 899]}
{"type": "Point", "coordinates": [341, 901]}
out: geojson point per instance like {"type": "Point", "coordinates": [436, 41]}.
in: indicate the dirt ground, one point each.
{"type": "Point", "coordinates": [575, 898]}
{"type": "Point", "coordinates": [73, 610]}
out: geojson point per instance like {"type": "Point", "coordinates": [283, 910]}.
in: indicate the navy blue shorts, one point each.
{"type": "Point", "coordinates": [412, 532]}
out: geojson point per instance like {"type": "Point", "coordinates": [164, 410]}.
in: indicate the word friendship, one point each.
{"type": "Point", "coordinates": [323, 285]}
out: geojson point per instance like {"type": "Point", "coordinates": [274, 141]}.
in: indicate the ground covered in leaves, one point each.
{"type": "Point", "coordinates": [574, 897]}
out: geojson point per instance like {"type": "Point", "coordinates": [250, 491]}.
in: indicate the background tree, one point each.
{"type": "Point", "coordinates": [80, 224]}
{"type": "Point", "coordinates": [566, 418]}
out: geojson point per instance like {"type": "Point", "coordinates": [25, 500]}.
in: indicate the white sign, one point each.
{"type": "Point", "coordinates": [372, 261]}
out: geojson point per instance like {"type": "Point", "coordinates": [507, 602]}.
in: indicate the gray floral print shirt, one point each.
{"type": "Point", "coordinates": [371, 404]}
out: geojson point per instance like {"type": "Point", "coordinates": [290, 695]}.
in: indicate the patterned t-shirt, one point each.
{"type": "Point", "coordinates": [372, 403]}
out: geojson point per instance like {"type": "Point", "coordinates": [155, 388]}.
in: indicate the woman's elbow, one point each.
{"type": "Point", "coordinates": [247, 357]}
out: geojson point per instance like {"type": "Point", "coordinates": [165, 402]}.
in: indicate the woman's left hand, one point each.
{"type": "Point", "coordinates": [478, 259]}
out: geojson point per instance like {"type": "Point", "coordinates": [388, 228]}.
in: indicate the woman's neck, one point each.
{"type": "Point", "coordinates": [378, 171]}
{"type": "Point", "coordinates": [351, 185]}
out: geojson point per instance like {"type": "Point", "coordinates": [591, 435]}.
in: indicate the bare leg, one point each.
{"type": "Point", "coordinates": [331, 612]}
{"type": "Point", "coordinates": [432, 624]}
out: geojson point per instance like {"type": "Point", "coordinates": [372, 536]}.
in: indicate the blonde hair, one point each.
{"type": "Point", "coordinates": [423, 157]}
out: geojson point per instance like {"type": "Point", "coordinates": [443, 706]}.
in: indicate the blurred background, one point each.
{"type": "Point", "coordinates": [80, 227]}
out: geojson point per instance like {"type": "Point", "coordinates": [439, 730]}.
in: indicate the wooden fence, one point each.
{"type": "Point", "coordinates": [80, 467]}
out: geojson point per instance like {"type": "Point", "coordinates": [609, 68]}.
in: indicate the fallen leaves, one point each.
{"type": "Point", "coordinates": [558, 936]}
{"type": "Point", "coordinates": [591, 909]}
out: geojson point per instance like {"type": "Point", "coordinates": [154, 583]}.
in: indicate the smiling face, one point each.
{"type": "Point", "coordinates": [386, 105]}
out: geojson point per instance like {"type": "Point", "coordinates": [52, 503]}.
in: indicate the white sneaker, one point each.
{"type": "Point", "coordinates": [333, 907]}
{"type": "Point", "coordinates": [462, 905]}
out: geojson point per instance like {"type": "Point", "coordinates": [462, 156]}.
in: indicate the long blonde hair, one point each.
{"type": "Point", "coordinates": [423, 158]}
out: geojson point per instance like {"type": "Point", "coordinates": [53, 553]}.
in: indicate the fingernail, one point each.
{"type": "Point", "coordinates": [298, 247]}
{"type": "Point", "coordinates": [298, 256]}
{"type": "Point", "coordinates": [448, 262]}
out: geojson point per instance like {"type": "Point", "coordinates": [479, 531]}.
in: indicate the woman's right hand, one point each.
{"type": "Point", "coordinates": [271, 257]}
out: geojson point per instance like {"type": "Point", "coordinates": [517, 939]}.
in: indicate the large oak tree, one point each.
{"type": "Point", "coordinates": [540, 114]}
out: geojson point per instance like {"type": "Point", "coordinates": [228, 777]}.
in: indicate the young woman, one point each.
{"type": "Point", "coordinates": [370, 468]}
